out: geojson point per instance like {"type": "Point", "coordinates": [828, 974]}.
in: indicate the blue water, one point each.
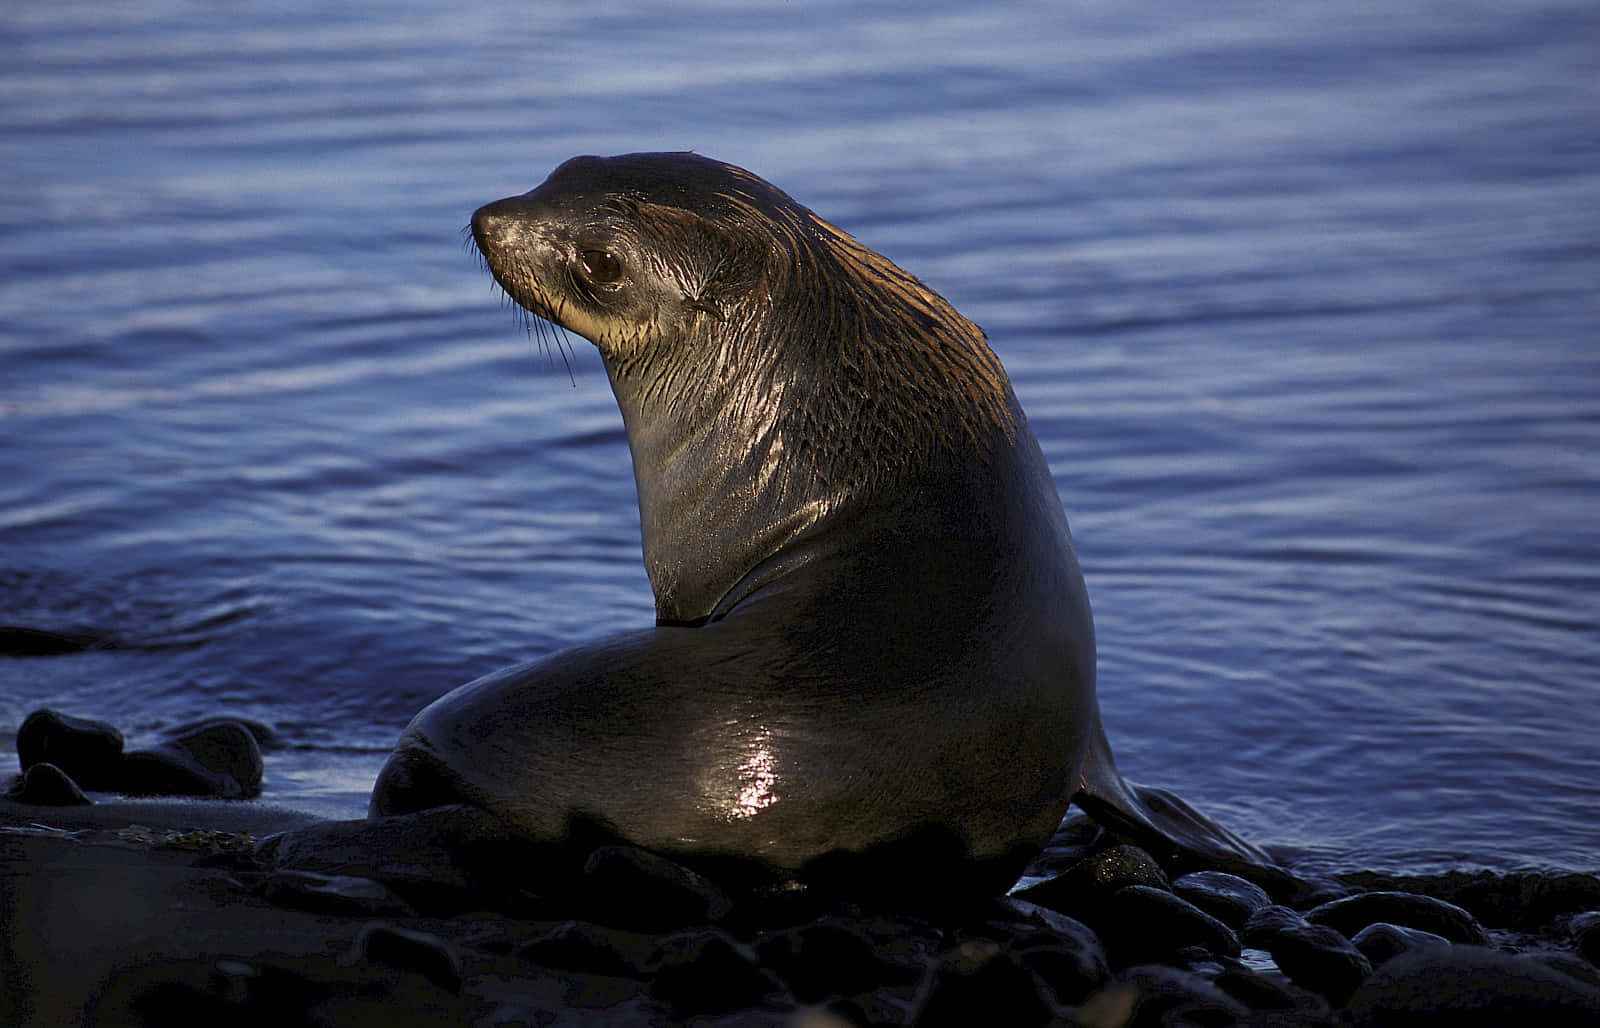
{"type": "Point", "coordinates": [1302, 301]}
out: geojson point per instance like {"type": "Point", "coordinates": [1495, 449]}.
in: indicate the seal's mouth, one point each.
{"type": "Point", "coordinates": [540, 318]}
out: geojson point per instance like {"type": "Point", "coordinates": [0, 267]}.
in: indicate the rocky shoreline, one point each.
{"type": "Point", "coordinates": [157, 911]}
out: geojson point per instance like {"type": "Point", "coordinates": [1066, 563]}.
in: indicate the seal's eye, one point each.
{"type": "Point", "coordinates": [600, 267]}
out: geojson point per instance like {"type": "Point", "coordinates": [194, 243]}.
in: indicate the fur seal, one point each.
{"type": "Point", "coordinates": [871, 625]}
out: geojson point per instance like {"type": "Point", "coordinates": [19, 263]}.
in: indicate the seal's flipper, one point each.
{"type": "Point", "coordinates": [1162, 823]}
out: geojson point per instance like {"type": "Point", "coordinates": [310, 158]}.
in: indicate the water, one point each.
{"type": "Point", "coordinates": [1302, 306]}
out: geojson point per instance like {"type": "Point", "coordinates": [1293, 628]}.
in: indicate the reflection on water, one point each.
{"type": "Point", "coordinates": [1301, 309]}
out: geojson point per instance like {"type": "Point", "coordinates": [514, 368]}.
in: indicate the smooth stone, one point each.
{"type": "Point", "coordinates": [707, 971]}
{"type": "Point", "coordinates": [45, 785]}
{"type": "Point", "coordinates": [634, 888]}
{"type": "Point", "coordinates": [265, 735]}
{"type": "Point", "coordinates": [1169, 996]}
{"type": "Point", "coordinates": [1144, 924]}
{"type": "Point", "coordinates": [23, 641]}
{"type": "Point", "coordinates": [1407, 909]}
{"type": "Point", "coordinates": [1314, 957]}
{"type": "Point", "coordinates": [220, 759]}
{"type": "Point", "coordinates": [981, 981]}
{"type": "Point", "coordinates": [333, 894]}
{"type": "Point", "coordinates": [1260, 992]}
{"type": "Point", "coordinates": [1472, 987]}
{"type": "Point", "coordinates": [1381, 942]}
{"type": "Point", "coordinates": [1064, 952]}
{"type": "Point", "coordinates": [1585, 929]}
{"type": "Point", "coordinates": [831, 957]}
{"type": "Point", "coordinates": [1526, 901]}
{"type": "Point", "coordinates": [1081, 890]}
{"type": "Point", "coordinates": [90, 752]}
{"type": "Point", "coordinates": [1228, 898]}
{"type": "Point", "coordinates": [408, 950]}
{"type": "Point", "coordinates": [591, 948]}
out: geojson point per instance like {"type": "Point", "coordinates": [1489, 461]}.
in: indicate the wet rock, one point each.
{"type": "Point", "coordinates": [1381, 943]}
{"type": "Point", "coordinates": [706, 971]}
{"type": "Point", "coordinates": [981, 981]}
{"type": "Point", "coordinates": [1169, 996]}
{"type": "Point", "coordinates": [1066, 954]}
{"type": "Point", "coordinates": [1314, 957]}
{"type": "Point", "coordinates": [1353, 913]}
{"type": "Point", "coordinates": [23, 641]}
{"type": "Point", "coordinates": [1143, 924]}
{"type": "Point", "coordinates": [408, 950]}
{"type": "Point", "coordinates": [634, 888]}
{"type": "Point", "coordinates": [1523, 901]}
{"type": "Point", "coordinates": [1472, 987]}
{"type": "Point", "coordinates": [1228, 898]}
{"type": "Point", "coordinates": [831, 957]}
{"type": "Point", "coordinates": [1261, 992]}
{"type": "Point", "coordinates": [219, 759]}
{"type": "Point", "coordinates": [591, 948]}
{"type": "Point", "coordinates": [46, 785]}
{"type": "Point", "coordinates": [333, 894]}
{"type": "Point", "coordinates": [1585, 929]}
{"type": "Point", "coordinates": [90, 752]}
{"type": "Point", "coordinates": [265, 736]}
{"type": "Point", "coordinates": [1081, 890]}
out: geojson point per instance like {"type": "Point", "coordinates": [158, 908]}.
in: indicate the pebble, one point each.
{"type": "Point", "coordinates": [409, 950]}
{"type": "Point", "coordinates": [831, 957]}
{"type": "Point", "coordinates": [1410, 910]}
{"type": "Point", "coordinates": [707, 971]}
{"type": "Point", "coordinates": [1585, 929]}
{"type": "Point", "coordinates": [1381, 943]}
{"type": "Point", "coordinates": [1472, 987]}
{"type": "Point", "coordinates": [46, 785]}
{"type": "Point", "coordinates": [90, 752]}
{"type": "Point", "coordinates": [1083, 888]}
{"type": "Point", "coordinates": [634, 888]}
{"type": "Point", "coordinates": [1170, 996]}
{"type": "Point", "coordinates": [1144, 924]}
{"type": "Point", "coordinates": [1228, 898]}
{"type": "Point", "coordinates": [980, 981]}
{"type": "Point", "coordinates": [219, 759]}
{"type": "Point", "coordinates": [592, 948]}
{"type": "Point", "coordinates": [1314, 957]}
{"type": "Point", "coordinates": [333, 894]}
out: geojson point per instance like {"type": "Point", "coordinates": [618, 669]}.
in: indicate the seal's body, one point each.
{"type": "Point", "coordinates": [870, 621]}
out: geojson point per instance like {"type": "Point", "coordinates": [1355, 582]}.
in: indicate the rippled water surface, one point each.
{"type": "Point", "coordinates": [1302, 304]}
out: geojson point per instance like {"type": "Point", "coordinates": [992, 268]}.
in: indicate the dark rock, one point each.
{"type": "Point", "coordinates": [22, 641]}
{"type": "Point", "coordinates": [1381, 943]}
{"type": "Point", "coordinates": [333, 894]}
{"type": "Point", "coordinates": [1472, 987]}
{"type": "Point", "coordinates": [88, 751]}
{"type": "Point", "coordinates": [1314, 957]}
{"type": "Point", "coordinates": [1228, 898]}
{"type": "Point", "coordinates": [634, 888]}
{"type": "Point", "coordinates": [1523, 901]}
{"type": "Point", "coordinates": [1145, 924]}
{"type": "Point", "coordinates": [266, 737]}
{"type": "Point", "coordinates": [219, 759]}
{"type": "Point", "coordinates": [831, 957]}
{"type": "Point", "coordinates": [591, 948]}
{"type": "Point", "coordinates": [1585, 929]}
{"type": "Point", "coordinates": [1066, 954]}
{"type": "Point", "coordinates": [706, 971]}
{"type": "Point", "coordinates": [1266, 992]}
{"type": "Point", "coordinates": [981, 982]}
{"type": "Point", "coordinates": [408, 950]}
{"type": "Point", "coordinates": [1081, 890]}
{"type": "Point", "coordinates": [1353, 913]}
{"type": "Point", "coordinates": [1168, 996]}
{"type": "Point", "coordinates": [46, 785]}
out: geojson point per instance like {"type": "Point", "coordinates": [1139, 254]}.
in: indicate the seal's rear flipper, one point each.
{"type": "Point", "coordinates": [1165, 825]}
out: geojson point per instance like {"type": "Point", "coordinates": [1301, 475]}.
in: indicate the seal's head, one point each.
{"type": "Point", "coordinates": [769, 368]}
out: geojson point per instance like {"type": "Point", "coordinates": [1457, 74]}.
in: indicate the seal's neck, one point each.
{"type": "Point", "coordinates": [850, 383]}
